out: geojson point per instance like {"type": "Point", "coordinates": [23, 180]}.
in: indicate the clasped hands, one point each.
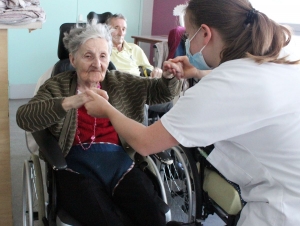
{"type": "Point", "coordinates": [98, 104]}
{"type": "Point", "coordinates": [181, 68]}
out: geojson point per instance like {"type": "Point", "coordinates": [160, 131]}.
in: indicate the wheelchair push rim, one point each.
{"type": "Point", "coordinates": [33, 201]}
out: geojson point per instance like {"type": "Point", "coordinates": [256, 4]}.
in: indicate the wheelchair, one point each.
{"type": "Point", "coordinates": [195, 189]}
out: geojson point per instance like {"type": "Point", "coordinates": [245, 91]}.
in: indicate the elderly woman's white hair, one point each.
{"type": "Point", "coordinates": [79, 35]}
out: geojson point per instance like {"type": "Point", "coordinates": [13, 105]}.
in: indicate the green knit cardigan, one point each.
{"type": "Point", "coordinates": [127, 93]}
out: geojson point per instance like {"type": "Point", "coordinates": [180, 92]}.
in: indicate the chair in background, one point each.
{"type": "Point", "coordinates": [63, 63]}
{"type": "Point", "coordinates": [175, 46]}
{"type": "Point", "coordinates": [161, 52]}
{"type": "Point", "coordinates": [100, 18]}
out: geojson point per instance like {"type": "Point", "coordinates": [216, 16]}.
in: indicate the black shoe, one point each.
{"type": "Point", "coordinates": [176, 223]}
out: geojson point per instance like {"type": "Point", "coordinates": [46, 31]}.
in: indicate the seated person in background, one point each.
{"type": "Point", "coordinates": [129, 57]}
{"type": "Point", "coordinates": [101, 175]}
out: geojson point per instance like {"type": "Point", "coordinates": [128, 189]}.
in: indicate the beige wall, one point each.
{"type": "Point", "coordinates": [5, 182]}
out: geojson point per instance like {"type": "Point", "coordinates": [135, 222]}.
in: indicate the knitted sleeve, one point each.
{"type": "Point", "coordinates": [45, 108]}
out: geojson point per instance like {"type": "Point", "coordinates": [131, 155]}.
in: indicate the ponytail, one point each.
{"type": "Point", "coordinates": [245, 31]}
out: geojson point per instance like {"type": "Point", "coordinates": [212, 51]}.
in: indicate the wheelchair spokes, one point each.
{"type": "Point", "coordinates": [179, 186]}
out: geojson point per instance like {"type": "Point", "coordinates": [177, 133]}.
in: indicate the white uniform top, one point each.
{"type": "Point", "coordinates": [251, 113]}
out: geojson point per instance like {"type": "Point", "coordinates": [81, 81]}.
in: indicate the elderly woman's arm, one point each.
{"type": "Point", "coordinates": [163, 90]}
{"type": "Point", "coordinates": [41, 114]}
{"type": "Point", "coordinates": [49, 106]}
{"type": "Point", "coordinates": [38, 115]}
{"type": "Point", "coordinates": [43, 110]}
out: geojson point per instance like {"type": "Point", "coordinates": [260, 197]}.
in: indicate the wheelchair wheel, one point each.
{"type": "Point", "coordinates": [180, 185]}
{"type": "Point", "coordinates": [153, 167]}
{"type": "Point", "coordinates": [33, 193]}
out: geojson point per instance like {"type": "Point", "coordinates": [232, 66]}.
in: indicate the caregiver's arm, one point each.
{"type": "Point", "coordinates": [145, 140]}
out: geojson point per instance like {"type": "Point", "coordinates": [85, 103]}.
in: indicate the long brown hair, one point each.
{"type": "Point", "coordinates": [245, 31]}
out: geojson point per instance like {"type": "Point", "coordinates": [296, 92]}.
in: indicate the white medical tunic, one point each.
{"type": "Point", "coordinates": [251, 113]}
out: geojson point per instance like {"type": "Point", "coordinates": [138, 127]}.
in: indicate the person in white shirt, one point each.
{"type": "Point", "coordinates": [248, 107]}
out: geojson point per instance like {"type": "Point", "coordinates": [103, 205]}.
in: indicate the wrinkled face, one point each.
{"type": "Point", "coordinates": [119, 25]}
{"type": "Point", "coordinates": [91, 61]}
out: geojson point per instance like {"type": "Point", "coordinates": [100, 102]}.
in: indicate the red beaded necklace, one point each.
{"type": "Point", "coordinates": [93, 137]}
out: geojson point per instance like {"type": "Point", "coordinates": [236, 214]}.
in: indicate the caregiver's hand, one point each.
{"type": "Point", "coordinates": [99, 105]}
{"type": "Point", "coordinates": [181, 68]}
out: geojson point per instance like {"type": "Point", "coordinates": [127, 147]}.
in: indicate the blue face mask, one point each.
{"type": "Point", "coordinates": [197, 60]}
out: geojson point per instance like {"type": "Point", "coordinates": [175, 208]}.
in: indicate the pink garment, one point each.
{"type": "Point", "coordinates": [174, 38]}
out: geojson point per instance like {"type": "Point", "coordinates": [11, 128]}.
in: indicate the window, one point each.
{"type": "Point", "coordinates": [282, 11]}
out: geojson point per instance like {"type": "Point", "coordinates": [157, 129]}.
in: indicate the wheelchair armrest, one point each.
{"type": "Point", "coordinates": [51, 151]}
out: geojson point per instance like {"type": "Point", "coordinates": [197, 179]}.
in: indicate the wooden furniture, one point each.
{"type": "Point", "coordinates": [152, 39]}
{"type": "Point", "coordinates": [5, 172]}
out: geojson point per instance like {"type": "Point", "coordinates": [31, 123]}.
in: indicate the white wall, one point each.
{"type": "Point", "coordinates": [146, 26]}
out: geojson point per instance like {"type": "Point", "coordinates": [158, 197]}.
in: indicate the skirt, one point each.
{"type": "Point", "coordinates": [105, 162]}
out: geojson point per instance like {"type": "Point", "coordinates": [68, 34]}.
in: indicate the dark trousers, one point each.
{"type": "Point", "coordinates": [86, 200]}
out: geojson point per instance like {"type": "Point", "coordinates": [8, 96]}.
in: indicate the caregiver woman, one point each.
{"type": "Point", "coordinates": [248, 106]}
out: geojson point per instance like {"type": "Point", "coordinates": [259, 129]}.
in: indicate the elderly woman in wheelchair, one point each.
{"type": "Point", "coordinates": [101, 176]}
